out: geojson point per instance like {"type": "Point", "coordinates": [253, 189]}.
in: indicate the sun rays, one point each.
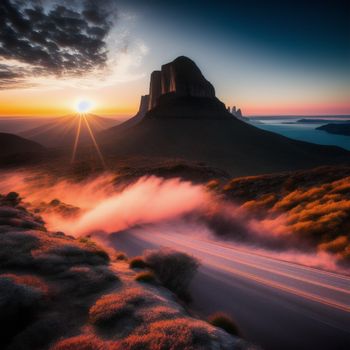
{"type": "Point", "coordinates": [82, 118]}
{"type": "Point", "coordinates": [76, 140]}
{"type": "Point", "coordinates": [94, 141]}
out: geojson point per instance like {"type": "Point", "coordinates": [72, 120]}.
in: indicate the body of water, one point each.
{"type": "Point", "coordinates": [302, 131]}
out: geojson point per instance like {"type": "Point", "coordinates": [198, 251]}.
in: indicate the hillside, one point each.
{"type": "Point", "coordinates": [12, 144]}
{"type": "Point", "coordinates": [185, 120]}
{"type": "Point", "coordinates": [229, 144]}
{"type": "Point", "coordinates": [304, 209]}
{"type": "Point", "coordinates": [61, 293]}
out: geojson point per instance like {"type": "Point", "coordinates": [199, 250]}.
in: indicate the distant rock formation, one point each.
{"type": "Point", "coordinates": [183, 77]}
{"type": "Point", "coordinates": [180, 77]}
{"type": "Point", "coordinates": [143, 105]}
{"type": "Point", "coordinates": [189, 123]}
{"type": "Point", "coordinates": [155, 88]}
{"type": "Point", "coordinates": [179, 90]}
{"type": "Point", "coordinates": [237, 113]}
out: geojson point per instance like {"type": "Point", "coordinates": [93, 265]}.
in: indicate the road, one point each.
{"type": "Point", "coordinates": [278, 305]}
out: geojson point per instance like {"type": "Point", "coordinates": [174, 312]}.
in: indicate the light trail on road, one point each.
{"type": "Point", "coordinates": [277, 304]}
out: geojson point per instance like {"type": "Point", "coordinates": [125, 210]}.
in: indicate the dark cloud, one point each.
{"type": "Point", "coordinates": [14, 77]}
{"type": "Point", "coordinates": [66, 39]}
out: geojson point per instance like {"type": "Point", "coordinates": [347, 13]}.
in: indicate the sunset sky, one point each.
{"type": "Point", "coordinates": [266, 57]}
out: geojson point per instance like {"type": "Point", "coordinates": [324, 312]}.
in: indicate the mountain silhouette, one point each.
{"type": "Point", "coordinates": [185, 120]}
{"type": "Point", "coordinates": [137, 117]}
{"type": "Point", "coordinates": [12, 144]}
{"type": "Point", "coordinates": [18, 151]}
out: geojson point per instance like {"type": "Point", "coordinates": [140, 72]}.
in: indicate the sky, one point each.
{"type": "Point", "coordinates": [265, 57]}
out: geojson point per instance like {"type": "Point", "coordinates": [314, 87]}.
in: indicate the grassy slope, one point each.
{"type": "Point", "coordinates": [313, 205]}
{"type": "Point", "coordinates": [59, 292]}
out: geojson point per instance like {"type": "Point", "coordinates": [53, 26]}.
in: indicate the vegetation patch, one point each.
{"type": "Point", "coordinates": [138, 263]}
{"type": "Point", "coordinates": [224, 322]}
{"type": "Point", "coordinates": [147, 277]}
{"type": "Point", "coordinates": [174, 269]}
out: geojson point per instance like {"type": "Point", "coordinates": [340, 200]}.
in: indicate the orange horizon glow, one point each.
{"type": "Point", "coordinates": [44, 111]}
{"type": "Point", "coordinates": [123, 101]}
{"type": "Point", "coordinates": [122, 112]}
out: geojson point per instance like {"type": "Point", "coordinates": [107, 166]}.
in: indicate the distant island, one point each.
{"type": "Point", "coordinates": [318, 121]}
{"type": "Point", "coordinates": [338, 129]}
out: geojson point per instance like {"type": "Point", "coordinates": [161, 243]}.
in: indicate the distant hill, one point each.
{"type": "Point", "coordinates": [320, 121]}
{"type": "Point", "coordinates": [186, 120]}
{"type": "Point", "coordinates": [12, 144]}
{"type": "Point", "coordinates": [15, 125]}
{"type": "Point", "coordinates": [17, 151]}
{"type": "Point", "coordinates": [338, 129]}
{"type": "Point", "coordinates": [62, 131]}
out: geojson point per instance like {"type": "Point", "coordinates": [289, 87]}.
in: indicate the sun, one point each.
{"type": "Point", "coordinates": [83, 106]}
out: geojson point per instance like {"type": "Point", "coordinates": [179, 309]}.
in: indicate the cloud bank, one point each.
{"type": "Point", "coordinates": [41, 41]}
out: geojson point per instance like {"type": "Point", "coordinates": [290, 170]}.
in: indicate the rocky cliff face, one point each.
{"type": "Point", "coordinates": [155, 89]}
{"type": "Point", "coordinates": [144, 105]}
{"type": "Point", "coordinates": [180, 77]}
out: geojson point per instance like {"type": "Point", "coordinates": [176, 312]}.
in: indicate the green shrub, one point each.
{"type": "Point", "coordinates": [224, 322]}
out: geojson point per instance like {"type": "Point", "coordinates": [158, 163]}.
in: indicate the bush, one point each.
{"type": "Point", "coordinates": [121, 256]}
{"type": "Point", "coordinates": [84, 280]}
{"type": "Point", "coordinates": [16, 249]}
{"type": "Point", "coordinates": [45, 330]}
{"type": "Point", "coordinates": [174, 270]}
{"type": "Point", "coordinates": [171, 334]}
{"type": "Point", "coordinates": [123, 310]}
{"type": "Point", "coordinates": [112, 307]}
{"type": "Point", "coordinates": [147, 277]}
{"type": "Point", "coordinates": [339, 244]}
{"type": "Point", "coordinates": [19, 306]}
{"type": "Point", "coordinates": [224, 322]}
{"type": "Point", "coordinates": [28, 280]}
{"type": "Point", "coordinates": [81, 342]}
{"type": "Point", "coordinates": [64, 256]}
{"type": "Point", "coordinates": [213, 184]}
{"type": "Point", "coordinates": [137, 263]}
{"type": "Point", "coordinates": [12, 198]}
